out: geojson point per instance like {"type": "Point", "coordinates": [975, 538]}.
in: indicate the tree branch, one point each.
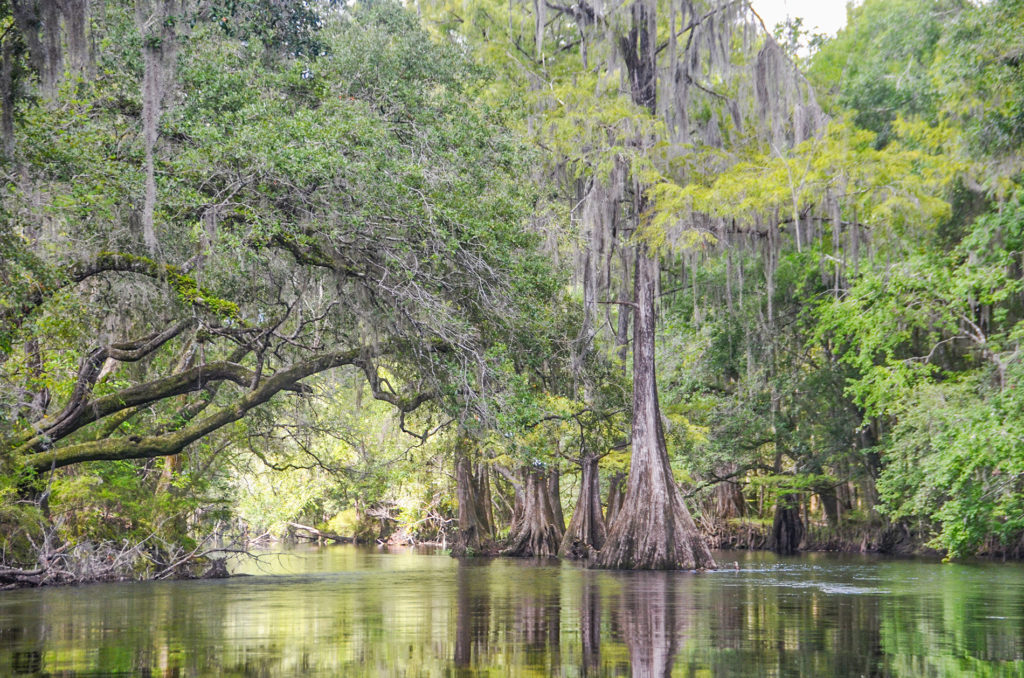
{"type": "Point", "coordinates": [195, 379]}
{"type": "Point", "coordinates": [66, 421]}
{"type": "Point", "coordinates": [109, 262]}
{"type": "Point", "coordinates": [169, 443]}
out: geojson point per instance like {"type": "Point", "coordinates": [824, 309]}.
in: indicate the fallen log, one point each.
{"type": "Point", "coordinates": [12, 577]}
{"type": "Point", "coordinates": [320, 535]}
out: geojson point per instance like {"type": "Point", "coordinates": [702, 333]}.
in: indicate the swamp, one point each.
{"type": "Point", "coordinates": [511, 338]}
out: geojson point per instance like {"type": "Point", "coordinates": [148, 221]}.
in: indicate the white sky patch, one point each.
{"type": "Point", "coordinates": [820, 16]}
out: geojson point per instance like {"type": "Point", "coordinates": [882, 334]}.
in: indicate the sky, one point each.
{"type": "Point", "coordinates": [820, 16]}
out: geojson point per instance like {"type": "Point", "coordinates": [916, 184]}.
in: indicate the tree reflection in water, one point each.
{"type": "Point", "coordinates": [537, 625]}
{"type": "Point", "coordinates": [472, 611]}
{"type": "Point", "coordinates": [590, 623]}
{"type": "Point", "coordinates": [367, 613]}
{"type": "Point", "coordinates": [650, 621]}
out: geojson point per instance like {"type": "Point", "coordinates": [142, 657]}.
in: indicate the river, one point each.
{"type": "Point", "coordinates": [349, 611]}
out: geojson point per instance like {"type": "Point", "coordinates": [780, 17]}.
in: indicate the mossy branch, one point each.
{"type": "Point", "coordinates": [187, 289]}
{"type": "Point", "coordinates": [194, 379]}
{"type": "Point", "coordinates": [145, 447]}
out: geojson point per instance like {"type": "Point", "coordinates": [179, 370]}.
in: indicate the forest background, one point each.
{"type": "Point", "coordinates": [275, 268]}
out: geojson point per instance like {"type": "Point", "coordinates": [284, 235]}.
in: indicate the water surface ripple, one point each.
{"type": "Point", "coordinates": [347, 611]}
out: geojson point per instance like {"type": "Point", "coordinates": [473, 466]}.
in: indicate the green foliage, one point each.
{"type": "Point", "coordinates": [290, 27]}
{"type": "Point", "coordinates": [880, 64]}
{"type": "Point", "coordinates": [327, 177]}
{"type": "Point", "coordinates": [905, 321]}
{"type": "Point", "coordinates": [980, 76]}
{"type": "Point", "coordinates": [955, 461]}
{"type": "Point", "coordinates": [847, 309]}
{"type": "Point", "coordinates": [935, 341]}
{"type": "Point", "coordinates": [22, 524]}
{"type": "Point", "coordinates": [895, 189]}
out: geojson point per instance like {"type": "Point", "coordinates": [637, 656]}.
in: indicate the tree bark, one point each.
{"type": "Point", "coordinates": [616, 494]}
{"type": "Point", "coordinates": [787, 528]}
{"type": "Point", "coordinates": [485, 501]}
{"type": "Point", "coordinates": [7, 95]}
{"type": "Point", "coordinates": [475, 530]}
{"type": "Point", "coordinates": [830, 504]}
{"type": "Point", "coordinates": [586, 533]}
{"type": "Point", "coordinates": [536, 533]}
{"type": "Point", "coordinates": [727, 499]}
{"type": "Point", "coordinates": [622, 329]}
{"type": "Point", "coordinates": [555, 493]}
{"type": "Point", "coordinates": [654, 530]}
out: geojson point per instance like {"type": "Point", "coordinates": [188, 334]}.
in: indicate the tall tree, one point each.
{"type": "Point", "coordinates": [702, 78]}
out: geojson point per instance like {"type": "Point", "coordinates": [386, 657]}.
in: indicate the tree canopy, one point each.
{"type": "Point", "coordinates": [729, 293]}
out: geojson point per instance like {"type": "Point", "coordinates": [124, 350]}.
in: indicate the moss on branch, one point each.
{"type": "Point", "coordinates": [145, 447]}
{"type": "Point", "coordinates": [185, 286]}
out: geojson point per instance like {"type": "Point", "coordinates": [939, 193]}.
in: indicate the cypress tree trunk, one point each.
{"type": "Point", "coordinates": [616, 494]}
{"type": "Point", "coordinates": [727, 499]}
{"type": "Point", "coordinates": [555, 495]}
{"type": "Point", "coordinates": [654, 530]}
{"type": "Point", "coordinates": [586, 531]}
{"type": "Point", "coordinates": [475, 532]}
{"type": "Point", "coordinates": [787, 528]}
{"type": "Point", "coordinates": [536, 532]}
{"type": "Point", "coordinates": [830, 504]}
{"type": "Point", "coordinates": [485, 502]}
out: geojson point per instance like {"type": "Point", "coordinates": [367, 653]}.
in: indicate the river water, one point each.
{"type": "Point", "coordinates": [348, 611]}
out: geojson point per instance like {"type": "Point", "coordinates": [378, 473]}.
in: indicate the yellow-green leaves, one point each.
{"type": "Point", "coordinates": [897, 188]}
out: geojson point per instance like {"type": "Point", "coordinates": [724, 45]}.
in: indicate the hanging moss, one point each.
{"type": "Point", "coordinates": [187, 289]}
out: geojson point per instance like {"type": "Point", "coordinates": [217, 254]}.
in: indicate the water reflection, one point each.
{"type": "Point", "coordinates": [473, 613]}
{"type": "Point", "coordinates": [343, 611]}
{"type": "Point", "coordinates": [590, 624]}
{"type": "Point", "coordinates": [652, 621]}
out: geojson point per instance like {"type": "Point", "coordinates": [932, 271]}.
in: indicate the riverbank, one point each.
{"type": "Point", "coordinates": [92, 563]}
{"type": "Point", "coordinates": [895, 539]}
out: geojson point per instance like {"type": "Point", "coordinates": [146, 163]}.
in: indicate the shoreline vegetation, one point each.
{"type": "Point", "coordinates": [620, 283]}
{"type": "Point", "coordinates": [107, 563]}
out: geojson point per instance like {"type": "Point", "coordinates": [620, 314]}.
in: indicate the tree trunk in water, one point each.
{"type": "Point", "coordinates": [787, 529]}
{"type": "Point", "coordinates": [654, 530]}
{"type": "Point", "coordinates": [474, 529]}
{"type": "Point", "coordinates": [555, 493]}
{"type": "Point", "coordinates": [616, 493]}
{"type": "Point", "coordinates": [586, 531]}
{"type": "Point", "coordinates": [536, 532]}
